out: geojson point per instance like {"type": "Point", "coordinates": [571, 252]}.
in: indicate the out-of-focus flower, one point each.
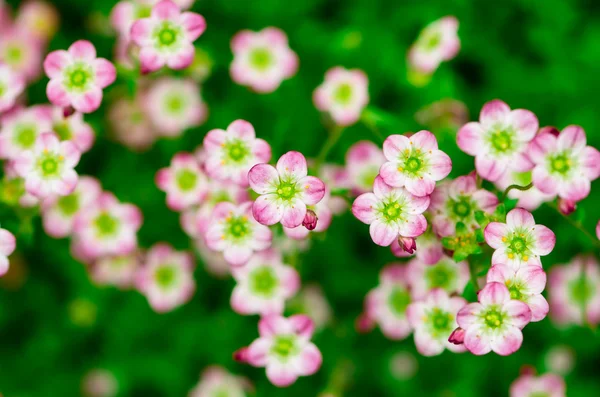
{"type": "Point", "coordinates": [99, 383]}
{"type": "Point", "coordinates": [499, 141]}
{"type": "Point", "coordinates": [445, 113]}
{"type": "Point", "coordinates": [433, 320]}
{"type": "Point", "coordinates": [495, 322]}
{"type": "Point", "coordinates": [564, 165]}
{"type": "Point", "coordinates": [263, 284]}
{"type": "Point", "coordinates": [21, 128]}
{"type": "Point", "coordinates": [312, 302]}
{"type": "Point", "coordinates": [436, 43]}
{"type": "Point", "coordinates": [446, 274]}
{"type": "Point", "coordinates": [363, 161]}
{"type": "Point", "coordinates": [118, 270]}
{"type": "Point", "coordinates": [234, 231]}
{"type": "Point", "coordinates": [201, 66]}
{"type": "Point", "coordinates": [529, 385]}
{"type": "Point", "coordinates": [166, 37]}
{"type": "Point", "coordinates": [526, 285]}
{"type": "Point", "coordinates": [284, 348]}
{"type": "Point", "coordinates": [12, 85]}
{"type": "Point", "coordinates": [40, 18]}
{"type": "Point", "coordinates": [214, 263]}
{"type": "Point", "coordinates": [174, 105]}
{"type": "Point", "coordinates": [560, 359]}
{"type": "Point", "coordinates": [125, 13]}
{"type": "Point", "coordinates": [13, 189]}
{"type": "Point", "coordinates": [391, 212]}
{"type": "Point", "coordinates": [48, 168]}
{"type": "Point", "coordinates": [285, 190]}
{"type": "Point", "coordinates": [217, 381]}
{"type": "Point", "coordinates": [184, 182]}
{"type": "Point", "coordinates": [166, 277]}
{"type": "Point", "coordinates": [231, 153]}
{"type": "Point", "coordinates": [519, 241]}
{"type": "Point", "coordinates": [73, 128]}
{"type": "Point", "coordinates": [107, 227]}
{"type": "Point", "coordinates": [130, 124]}
{"type": "Point", "coordinates": [21, 51]}
{"type": "Point", "coordinates": [343, 95]}
{"type": "Point", "coordinates": [8, 243]}
{"type": "Point", "coordinates": [429, 249]}
{"type": "Point", "coordinates": [58, 212]}
{"type": "Point", "coordinates": [574, 292]}
{"type": "Point", "coordinates": [529, 199]}
{"type": "Point", "coordinates": [414, 162]}
{"type": "Point", "coordinates": [403, 365]}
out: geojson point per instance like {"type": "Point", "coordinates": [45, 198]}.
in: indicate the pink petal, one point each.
{"type": "Point", "coordinates": [273, 325]}
{"type": "Point", "coordinates": [499, 273]}
{"type": "Point", "coordinates": [394, 145]}
{"type": "Point", "coordinates": [494, 232]}
{"type": "Point", "coordinates": [292, 164]}
{"type": "Point", "coordinates": [150, 60]}
{"type": "Point", "coordinates": [469, 138]}
{"type": "Point", "coordinates": [242, 40]}
{"type": "Point", "coordinates": [56, 93]}
{"type": "Point", "coordinates": [47, 141]}
{"type": "Point", "coordinates": [415, 313]}
{"type": "Point", "coordinates": [539, 307]}
{"type": "Point", "coordinates": [83, 50]}
{"type": "Point", "coordinates": [37, 186]}
{"type": "Point", "coordinates": [380, 188]}
{"type": "Point", "coordinates": [424, 140]}
{"type": "Point", "coordinates": [105, 72]}
{"type": "Point", "coordinates": [263, 178]}
{"type": "Point", "coordinates": [419, 187]}
{"type": "Point", "coordinates": [508, 341]}
{"type": "Point", "coordinates": [521, 163]}
{"type": "Point", "coordinates": [310, 360]}
{"type": "Point", "coordinates": [518, 313]}
{"type": "Point", "coordinates": [525, 122]}
{"type": "Point", "coordinates": [540, 146]}
{"type": "Point", "coordinates": [241, 129]}
{"type": "Point", "coordinates": [55, 62]}
{"type": "Point", "coordinates": [183, 58]}
{"type": "Point", "coordinates": [545, 239]}
{"type": "Point", "coordinates": [214, 139]}
{"type": "Point", "coordinates": [418, 205]}
{"type": "Point", "coordinates": [383, 234]}
{"type": "Point", "coordinates": [89, 101]}
{"type": "Point", "coordinates": [545, 182]}
{"type": "Point", "coordinates": [70, 153]}
{"type": "Point", "coordinates": [261, 150]}
{"type": "Point", "coordinates": [313, 190]}
{"type": "Point", "coordinates": [193, 23]}
{"type": "Point", "coordinates": [494, 112]}
{"type": "Point", "coordinates": [477, 341]}
{"type": "Point", "coordinates": [493, 294]}
{"type": "Point", "coordinates": [489, 168]}
{"type": "Point", "coordinates": [391, 175]}
{"type": "Point", "coordinates": [519, 218]}
{"type": "Point", "coordinates": [236, 255]}
{"type": "Point", "coordinates": [363, 208]}
{"type": "Point", "coordinates": [414, 226]}
{"type": "Point", "coordinates": [266, 210]}
{"type": "Point", "coordinates": [303, 325]}
{"type": "Point", "coordinates": [427, 345]}
{"type": "Point", "coordinates": [165, 9]}
{"type": "Point", "coordinates": [576, 189]}
{"type": "Point", "coordinates": [590, 160]}
{"type": "Point", "coordinates": [8, 242]}
{"type": "Point", "coordinates": [571, 137]}
{"type": "Point", "coordinates": [440, 165]}
{"type": "Point", "coordinates": [258, 352]}
{"type": "Point", "coordinates": [281, 375]}
{"type": "Point", "coordinates": [294, 214]}
{"type": "Point", "coordinates": [534, 278]}
{"type": "Point", "coordinates": [66, 184]}
{"type": "Point", "coordinates": [141, 31]}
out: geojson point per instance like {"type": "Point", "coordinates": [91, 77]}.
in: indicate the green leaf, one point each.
{"type": "Point", "coordinates": [469, 292]}
{"type": "Point", "coordinates": [510, 204]}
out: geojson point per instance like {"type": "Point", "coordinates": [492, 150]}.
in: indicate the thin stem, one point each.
{"type": "Point", "coordinates": [473, 274]}
{"type": "Point", "coordinates": [516, 187]}
{"type": "Point", "coordinates": [576, 225]}
{"type": "Point", "coordinates": [334, 136]}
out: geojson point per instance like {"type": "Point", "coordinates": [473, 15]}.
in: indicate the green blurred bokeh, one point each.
{"type": "Point", "coordinates": [541, 55]}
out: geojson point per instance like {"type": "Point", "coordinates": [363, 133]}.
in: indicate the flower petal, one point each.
{"type": "Point", "coordinates": [468, 316]}
{"type": "Point", "coordinates": [571, 137]}
{"type": "Point", "coordinates": [105, 72]}
{"type": "Point", "coordinates": [193, 23]}
{"type": "Point", "coordinates": [292, 164]}
{"type": "Point", "coordinates": [545, 182]}
{"type": "Point", "coordinates": [493, 294]}
{"type": "Point", "coordinates": [540, 146]}
{"type": "Point", "coordinates": [545, 239]}
{"type": "Point", "coordinates": [414, 226]}
{"type": "Point", "coordinates": [477, 341]}
{"type": "Point", "coordinates": [56, 93]}
{"type": "Point", "coordinates": [293, 214]}
{"type": "Point", "coordinates": [237, 255]}
{"type": "Point", "coordinates": [419, 187]}
{"type": "Point", "coordinates": [263, 178]}
{"type": "Point", "coordinates": [363, 208]}
{"type": "Point", "coordinates": [313, 190]}
{"type": "Point", "coordinates": [494, 232]}
{"type": "Point", "coordinates": [391, 175]}
{"type": "Point", "coordinates": [55, 62]}
{"type": "Point", "coordinates": [165, 9]}
{"type": "Point", "coordinates": [590, 162]}
{"type": "Point", "coordinates": [469, 138]}
{"type": "Point", "coordinates": [525, 122]}
{"type": "Point", "coordinates": [303, 325]}
{"type": "Point", "coordinates": [507, 342]}
{"type": "Point", "coordinates": [88, 101]}
{"type": "Point", "coordinates": [309, 361]}
{"type": "Point", "coordinates": [383, 234]}
{"type": "Point", "coordinates": [494, 112]}
{"type": "Point", "coordinates": [281, 375]}
{"type": "Point", "coordinates": [539, 307]}
{"type": "Point", "coordinates": [489, 168]}
{"type": "Point", "coordinates": [394, 145]}
{"type": "Point", "coordinates": [440, 165]}
{"type": "Point", "coordinates": [83, 50]}
{"type": "Point", "coordinates": [519, 218]}
{"type": "Point", "coordinates": [183, 58]}
{"type": "Point", "coordinates": [266, 210]}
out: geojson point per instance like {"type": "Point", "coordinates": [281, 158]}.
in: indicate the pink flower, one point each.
{"type": "Point", "coordinates": [166, 37]}
{"type": "Point", "coordinates": [21, 51]}
{"type": "Point", "coordinates": [433, 320]}
{"type": "Point", "coordinates": [324, 213]}
{"type": "Point", "coordinates": [234, 231]}
{"type": "Point", "coordinates": [391, 212]}
{"type": "Point", "coordinates": [232, 153]}
{"type": "Point", "coordinates": [525, 285]}
{"type": "Point", "coordinates": [495, 322]}
{"type": "Point", "coordinates": [77, 77]}
{"type": "Point", "coordinates": [107, 227]}
{"type": "Point", "coordinates": [343, 95]}
{"type": "Point", "coordinates": [564, 165]}
{"type": "Point", "coordinates": [436, 43]}
{"type": "Point", "coordinates": [284, 348]}
{"type": "Point", "coordinates": [386, 304]}
{"type": "Point", "coordinates": [519, 241]}
{"type": "Point", "coordinates": [48, 168]}
{"type": "Point", "coordinates": [130, 124]}
{"type": "Point", "coordinates": [173, 105]}
{"type": "Point", "coordinates": [264, 284]}
{"type": "Point", "coordinates": [216, 381]}
{"type": "Point", "coordinates": [429, 249]}
{"type": "Point", "coordinates": [363, 161]}
{"type": "Point", "coordinates": [184, 182]}
{"type": "Point", "coordinates": [73, 128]}
{"type": "Point", "coordinates": [39, 18]}
{"type": "Point", "coordinates": [312, 301]}
{"type": "Point", "coordinates": [125, 13]}
{"type": "Point", "coordinates": [529, 199]}
{"type": "Point", "coordinates": [11, 86]}
{"type": "Point", "coordinates": [21, 128]}
{"type": "Point", "coordinates": [262, 60]}
{"type": "Point", "coordinates": [574, 292]}
{"type": "Point", "coordinates": [499, 140]}
{"type": "Point", "coordinates": [548, 385]}
{"type": "Point", "coordinates": [284, 191]}
{"type": "Point", "coordinates": [8, 243]}
{"type": "Point", "coordinates": [446, 274]}
{"type": "Point", "coordinates": [118, 270]}
{"type": "Point", "coordinates": [58, 212]}
{"type": "Point", "coordinates": [166, 278]}
{"type": "Point", "coordinates": [414, 162]}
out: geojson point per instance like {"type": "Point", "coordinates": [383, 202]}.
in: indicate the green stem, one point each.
{"type": "Point", "coordinates": [516, 187]}
{"type": "Point", "coordinates": [334, 136]}
{"type": "Point", "coordinates": [473, 274]}
{"type": "Point", "coordinates": [593, 239]}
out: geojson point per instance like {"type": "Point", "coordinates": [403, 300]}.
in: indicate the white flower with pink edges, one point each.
{"type": "Point", "coordinates": [547, 385]}
{"type": "Point", "coordinates": [21, 127]}
{"type": "Point", "coordinates": [118, 270]}
{"type": "Point", "coordinates": [436, 43]}
{"type": "Point", "coordinates": [8, 243]}
{"type": "Point", "coordinates": [216, 381]}
{"type": "Point", "coordinates": [73, 128]}
{"type": "Point", "coordinates": [183, 181]}
{"type": "Point", "coordinates": [343, 95]}
{"type": "Point", "coordinates": [446, 274]}
{"type": "Point", "coordinates": [21, 51]}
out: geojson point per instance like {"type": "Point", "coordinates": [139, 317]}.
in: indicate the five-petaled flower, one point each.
{"type": "Point", "coordinates": [436, 43]}
{"type": "Point", "coordinates": [183, 181]}
{"type": "Point", "coordinates": [343, 95]}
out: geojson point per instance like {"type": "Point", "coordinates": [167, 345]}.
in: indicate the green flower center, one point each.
{"type": "Point", "coordinates": [518, 245]}
{"type": "Point", "coordinates": [186, 180]}
{"type": "Point", "coordinates": [493, 318]}
{"type": "Point", "coordinates": [581, 290]}
{"type": "Point", "coordinates": [398, 300]}
{"type": "Point", "coordinates": [167, 35]}
{"type": "Point", "coordinates": [78, 77]}
{"type": "Point", "coordinates": [284, 346]}
{"type": "Point", "coordinates": [63, 131]}
{"type": "Point", "coordinates": [412, 162]}
{"type": "Point", "coordinates": [368, 177]}
{"type": "Point", "coordinates": [236, 150]}
{"type": "Point", "coordinates": [165, 276]}
{"type": "Point", "coordinates": [561, 163]}
{"type": "Point", "coordinates": [502, 141]}
{"type": "Point", "coordinates": [106, 224]}
{"type": "Point", "coordinates": [441, 275]}
{"type": "Point", "coordinates": [441, 321]}
{"type": "Point", "coordinates": [238, 227]}
{"type": "Point", "coordinates": [433, 41]}
{"type": "Point", "coordinates": [343, 94]}
{"type": "Point", "coordinates": [221, 393]}
{"type": "Point", "coordinates": [264, 281]}
{"type": "Point", "coordinates": [142, 11]}
{"type": "Point", "coordinates": [539, 394]}
{"type": "Point", "coordinates": [261, 58]}
{"type": "Point", "coordinates": [25, 135]}
{"type": "Point", "coordinates": [287, 190]}
{"type": "Point", "coordinates": [2, 89]}
{"type": "Point", "coordinates": [49, 165]}
{"type": "Point", "coordinates": [13, 54]}
{"type": "Point", "coordinates": [69, 205]}
{"type": "Point", "coordinates": [392, 211]}
{"type": "Point", "coordinates": [515, 290]}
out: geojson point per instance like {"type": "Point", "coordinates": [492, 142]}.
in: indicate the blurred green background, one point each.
{"type": "Point", "coordinates": [541, 55]}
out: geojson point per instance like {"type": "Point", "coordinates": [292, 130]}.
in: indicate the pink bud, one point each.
{"type": "Point", "coordinates": [527, 370]}
{"type": "Point", "coordinates": [598, 230]}
{"type": "Point", "coordinates": [241, 355]}
{"type": "Point", "coordinates": [68, 111]}
{"type": "Point", "coordinates": [310, 220]}
{"type": "Point", "coordinates": [549, 130]}
{"type": "Point", "coordinates": [457, 336]}
{"type": "Point", "coordinates": [407, 244]}
{"type": "Point", "coordinates": [566, 207]}
{"type": "Point", "coordinates": [364, 323]}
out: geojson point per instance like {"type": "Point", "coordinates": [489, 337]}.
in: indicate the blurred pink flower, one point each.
{"type": "Point", "coordinates": [343, 95]}
{"type": "Point", "coordinates": [528, 385]}
{"type": "Point", "coordinates": [436, 43]}
{"type": "Point", "coordinates": [446, 274]}
{"type": "Point", "coordinates": [8, 243]}
{"type": "Point", "coordinates": [21, 127]}
{"type": "Point", "coordinates": [12, 85]}
{"type": "Point", "coordinates": [183, 181]}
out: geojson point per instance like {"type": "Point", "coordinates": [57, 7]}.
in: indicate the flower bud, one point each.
{"type": "Point", "coordinates": [566, 207]}
{"type": "Point", "coordinates": [364, 323]}
{"type": "Point", "coordinates": [241, 355]}
{"type": "Point", "coordinates": [549, 130]}
{"type": "Point", "coordinates": [407, 244]}
{"type": "Point", "coordinates": [457, 336]}
{"type": "Point", "coordinates": [310, 220]}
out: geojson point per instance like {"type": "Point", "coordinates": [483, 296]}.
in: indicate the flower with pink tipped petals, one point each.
{"type": "Point", "coordinates": [458, 201]}
{"type": "Point", "coordinates": [525, 285]}
{"type": "Point", "coordinates": [363, 161]}
{"type": "Point", "coordinates": [11, 86]}
{"type": "Point", "coordinates": [77, 77]}
{"type": "Point", "coordinates": [39, 18]}
{"type": "Point", "coordinates": [118, 271]}
{"type": "Point", "coordinates": [262, 60]}
{"type": "Point", "coordinates": [343, 95]}
{"type": "Point", "coordinates": [324, 215]}
{"type": "Point", "coordinates": [49, 167]}
{"type": "Point", "coordinates": [167, 36]}
{"type": "Point", "coordinates": [436, 43]}
{"type": "Point", "coordinates": [231, 153]}
{"type": "Point", "coordinates": [433, 320]}
{"type": "Point", "coordinates": [21, 128]}
{"type": "Point", "coordinates": [446, 274]}
{"type": "Point", "coordinates": [414, 162]}
{"type": "Point", "coordinates": [529, 199]}
{"type": "Point", "coordinates": [58, 212]}
{"type": "Point", "coordinates": [284, 191]}
{"type": "Point", "coordinates": [386, 304]}
{"type": "Point", "coordinates": [263, 284]}
{"type": "Point", "coordinates": [131, 126]}
{"type": "Point", "coordinates": [174, 105]}
{"type": "Point", "coordinates": [574, 292]}
{"type": "Point", "coordinates": [429, 249]}
{"type": "Point", "coordinates": [8, 243]}
{"type": "Point", "coordinates": [519, 241]}
{"type": "Point", "coordinates": [391, 212]}
{"type": "Point", "coordinates": [183, 181]}
{"type": "Point", "coordinates": [547, 385]}
{"type": "Point", "coordinates": [217, 381]}
{"type": "Point", "coordinates": [499, 140]}
{"type": "Point", "coordinates": [285, 349]}
{"type": "Point", "coordinates": [495, 322]}
{"type": "Point", "coordinates": [21, 51]}
{"type": "Point", "coordinates": [73, 128]}
{"type": "Point", "coordinates": [564, 164]}
{"type": "Point", "coordinates": [107, 227]}
{"type": "Point", "coordinates": [166, 277]}
{"type": "Point", "coordinates": [234, 231]}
